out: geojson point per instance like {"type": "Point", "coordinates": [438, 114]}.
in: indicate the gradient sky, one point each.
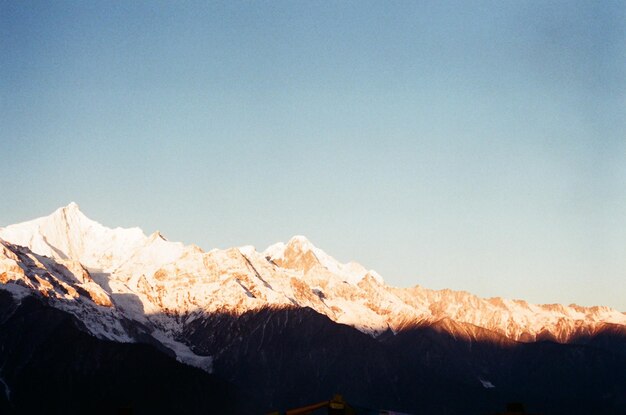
{"type": "Point", "coordinates": [477, 146]}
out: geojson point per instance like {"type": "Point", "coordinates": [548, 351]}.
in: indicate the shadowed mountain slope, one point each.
{"type": "Point", "coordinates": [93, 317]}
{"type": "Point", "coordinates": [50, 365]}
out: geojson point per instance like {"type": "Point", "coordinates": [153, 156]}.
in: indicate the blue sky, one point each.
{"type": "Point", "coordinates": [470, 145]}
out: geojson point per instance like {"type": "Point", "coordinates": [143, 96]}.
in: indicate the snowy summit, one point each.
{"type": "Point", "coordinates": [109, 277]}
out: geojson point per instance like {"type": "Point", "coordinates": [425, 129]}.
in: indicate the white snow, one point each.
{"type": "Point", "coordinates": [7, 390]}
{"type": "Point", "coordinates": [351, 272]}
{"type": "Point", "coordinates": [486, 384]}
{"type": "Point", "coordinates": [276, 251]}
{"type": "Point", "coordinates": [163, 285]}
{"type": "Point", "coordinates": [68, 233]}
{"type": "Point", "coordinates": [183, 353]}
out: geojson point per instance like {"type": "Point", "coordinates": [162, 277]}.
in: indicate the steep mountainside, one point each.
{"type": "Point", "coordinates": [49, 365]}
{"type": "Point", "coordinates": [284, 358]}
{"type": "Point", "coordinates": [128, 274]}
{"type": "Point", "coordinates": [290, 325]}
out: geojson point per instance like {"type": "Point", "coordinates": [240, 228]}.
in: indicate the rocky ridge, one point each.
{"type": "Point", "coordinates": [124, 285]}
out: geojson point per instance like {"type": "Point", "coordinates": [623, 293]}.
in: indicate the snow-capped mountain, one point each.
{"type": "Point", "coordinates": [126, 286]}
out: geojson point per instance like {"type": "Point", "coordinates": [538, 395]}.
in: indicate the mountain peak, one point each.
{"type": "Point", "coordinates": [296, 245]}
{"type": "Point", "coordinates": [300, 254]}
{"type": "Point", "coordinates": [301, 241]}
{"type": "Point", "coordinates": [156, 235]}
{"type": "Point", "coordinates": [71, 210]}
{"type": "Point", "coordinates": [68, 234]}
{"type": "Point", "coordinates": [72, 206]}
{"type": "Point", "coordinates": [168, 277]}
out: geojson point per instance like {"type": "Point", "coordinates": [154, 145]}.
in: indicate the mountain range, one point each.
{"type": "Point", "coordinates": [287, 326]}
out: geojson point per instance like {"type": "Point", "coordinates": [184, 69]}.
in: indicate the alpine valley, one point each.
{"type": "Point", "coordinates": [95, 320]}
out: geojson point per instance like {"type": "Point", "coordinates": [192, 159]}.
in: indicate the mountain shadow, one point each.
{"type": "Point", "coordinates": [286, 358]}
{"type": "Point", "coordinates": [50, 365]}
{"type": "Point", "coordinates": [276, 359]}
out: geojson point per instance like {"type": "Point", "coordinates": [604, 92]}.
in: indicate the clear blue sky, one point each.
{"type": "Point", "coordinates": [470, 145]}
